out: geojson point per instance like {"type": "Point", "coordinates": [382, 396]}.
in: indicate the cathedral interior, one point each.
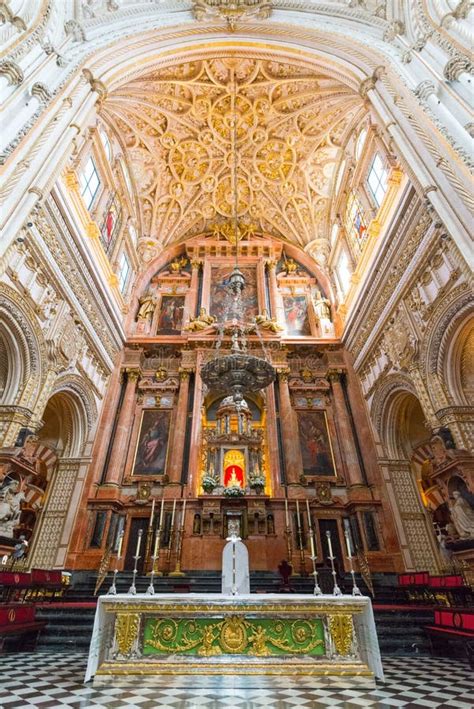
{"type": "Point", "coordinates": [236, 301]}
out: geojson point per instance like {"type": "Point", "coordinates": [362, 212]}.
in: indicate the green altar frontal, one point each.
{"type": "Point", "coordinates": [146, 636]}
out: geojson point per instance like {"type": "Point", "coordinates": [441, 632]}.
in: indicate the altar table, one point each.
{"type": "Point", "coordinates": [141, 637]}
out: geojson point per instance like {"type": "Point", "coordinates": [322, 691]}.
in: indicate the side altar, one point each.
{"type": "Point", "coordinates": [143, 636]}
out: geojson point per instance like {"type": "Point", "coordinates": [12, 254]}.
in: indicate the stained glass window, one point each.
{"type": "Point", "coordinates": [355, 219]}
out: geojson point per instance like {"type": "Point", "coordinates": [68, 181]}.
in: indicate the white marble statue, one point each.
{"type": "Point", "coordinates": [462, 515]}
{"type": "Point", "coordinates": [235, 567]}
{"type": "Point", "coordinates": [10, 507]}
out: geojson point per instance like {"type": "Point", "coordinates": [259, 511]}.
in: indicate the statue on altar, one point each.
{"type": "Point", "coordinates": [11, 498]}
{"type": "Point", "coordinates": [462, 516]}
{"type": "Point", "coordinates": [200, 322]}
{"type": "Point", "coordinates": [267, 323]}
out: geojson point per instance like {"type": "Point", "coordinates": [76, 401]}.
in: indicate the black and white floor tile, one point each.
{"type": "Point", "coordinates": [55, 681]}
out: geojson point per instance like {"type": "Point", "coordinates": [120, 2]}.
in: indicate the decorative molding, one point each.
{"type": "Point", "coordinates": [12, 71]}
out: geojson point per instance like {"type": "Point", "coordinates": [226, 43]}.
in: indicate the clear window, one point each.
{"type": "Point", "coordinates": [106, 143]}
{"type": "Point", "coordinates": [356, 223]}
{"type": "Point", "coordinates": [124, 272]}
{"type": "Point", "coordinates": [89, 182]}
{"type": "Point", "coordinates": [378, 179]}
{"type": "Point", "coordinates": [360, 143]}
{"type": "Point", "coordinates": [343, 272]}
{"type": "Point", "coordinates": [334, 233]}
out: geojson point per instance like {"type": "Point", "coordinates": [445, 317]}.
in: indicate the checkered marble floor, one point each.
{"type": "Point", "coordinates": [55, 680]}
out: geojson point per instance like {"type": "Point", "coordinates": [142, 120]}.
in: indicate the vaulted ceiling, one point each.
{"type": "Point", "coordinates": [176, 127]}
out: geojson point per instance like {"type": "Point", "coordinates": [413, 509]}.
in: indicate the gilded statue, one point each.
{"type": "Point", "coordinates": [322, 306]}
{"type": "Point", "coordinates": [266, 323]}
{"type": "Point", "coordinates": [147, 305]}
{"type": "Point", "coordinates": [234, 480]}
{"type": "Point", "coordinates": [177, 264]}
{"type": "Point", "coordinates": [201, 322]}
{"type": "Point", "coordinates": [290, 266]}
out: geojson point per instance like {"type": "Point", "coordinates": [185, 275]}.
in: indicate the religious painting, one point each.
{"type": "Point", "coordinates": [316, 449]}
{"type": "Point", "coordinates": [234, 464]}
{"type": "Point", "coordinates": [296, 315]}
{"type": "Point", "coordinates": [171, 315]}
{"type": "Point", "coordinates": [150, 458]}
{"type": "Point", "coordinates": [220, 302]}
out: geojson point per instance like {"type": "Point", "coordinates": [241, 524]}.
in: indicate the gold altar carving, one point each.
{"type": "Point", "coordinates": [341, 629]}
{"type": "Point", "coordinates": [126, 631]}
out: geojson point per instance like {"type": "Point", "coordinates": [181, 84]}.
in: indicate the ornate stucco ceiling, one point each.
{"type": "Point", "coordinates": [176, 127]}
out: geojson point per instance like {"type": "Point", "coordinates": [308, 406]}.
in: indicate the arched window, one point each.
{"type": "Point", "coordinates": [343, 272]}
{"type": "Point", "coordinates": [124, 272]}
{"type": "Point", "coordinates": [111, 222]}
{"type": "Point", "coordinates": [360, 142]}
{"type": "Point", "coordinates": [377, 179]}
{"type": "Point", "coordinates": [356, 223]}
{"type": "Point", "coordinates": [106, 144]}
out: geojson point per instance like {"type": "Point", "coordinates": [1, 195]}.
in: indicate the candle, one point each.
{"type": "Point", "coordinates": [183, 513]}
{"type": "Point", "coordinates": [139, 541]}
{"type": "Point", "coordinates": [152, 513]}
{"type": "Point", "coordinates": [172, 514]}
{"type": "Point", "coordinates": [286, 513]}
{"type": "Point", "coordinates": [311, 543]}
{"type": "Point", "coordinates": [348, 542]}
{"type": "Point", "coordinates": [120, 542]}
{"type": "Point", "coordinates": [298, 514]}
{"type": "Point", "coordinates": [310, 523]}
{"type": "Point", "coordinates": [157, 542]}
{"type": "Point", "coordinates": [162, 509]}
{"type": "Point", "coordinates": [328, 535]}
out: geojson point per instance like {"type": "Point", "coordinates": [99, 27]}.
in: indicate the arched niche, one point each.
{"type": "Point", "coordinates": [459, 364]}
{"type": "Point", "coordinates": [64, 425]}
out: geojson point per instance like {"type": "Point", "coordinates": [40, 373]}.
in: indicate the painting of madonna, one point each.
{"type": "Point", "coordinates": [152, 445]}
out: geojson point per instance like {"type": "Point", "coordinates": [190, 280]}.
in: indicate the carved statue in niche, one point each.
{"type": "Point", "coordinates": [147, 305]}
{"type": "Point", "coordinates": [11, 498]}
{"type": "Point", "coordinates": [201, 322]}
{"type": "Point", "coordinates": [462, 516]}
{"type": "Point", "coordinates": [266, 323]}
{"type": "Point", "coordinates": [322, 312]}
{"type": "Point", "coordinates": [321, 306]}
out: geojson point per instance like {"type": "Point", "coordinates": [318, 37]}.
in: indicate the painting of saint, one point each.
{"type": "Point", "coordinates": [296, 314]}
{"type": "Point", "coordinates": [315, 444]}
{"type": "Point", "coordinates": [219, 300]}
{"type": "Point", "coordinates": [152, 444]}
{"type": "Point", "coordinates": [171, 315]}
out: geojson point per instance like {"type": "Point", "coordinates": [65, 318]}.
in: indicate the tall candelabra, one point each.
{"type": "Point", "coordinates": [113, 589]}
{"type": "Point", "coordinates": [336, 590]}
{"type": "Point", "coordinates": [133, 589]}
{"type": "Point", "coordinates": [179, 544]}
{"type": "Point", "coordinates": [317, 590]}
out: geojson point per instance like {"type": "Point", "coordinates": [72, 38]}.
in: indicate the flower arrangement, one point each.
{"type": "Point", "coordinates": [233, 491]}
{"type": "Point", "coordinates": [257, 482]}
{"type": "Point", "coordinates": [208, 483]}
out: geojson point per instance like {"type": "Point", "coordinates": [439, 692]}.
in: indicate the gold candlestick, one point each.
{"type": "Point", "coordinates": [179, 544]}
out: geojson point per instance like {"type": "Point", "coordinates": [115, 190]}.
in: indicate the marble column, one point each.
{"type": "Point", "coordinates": [289, 432]}
{"type": "Point", "coordinates": [275, 303]}
{"type": "Point", "coordinates": [346, 439]}
{"type": "Point", "coordinates": [123, 429]}
{"type": "Point", "coordinates": [177, 443]}
{"type": "Point", "coordinates": [193, 290]}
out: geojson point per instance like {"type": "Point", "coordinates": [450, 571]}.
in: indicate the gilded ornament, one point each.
{"type": "Point", "coordinates": [341, 630]}
{"type": "Point", "coordinates": [126, 631]}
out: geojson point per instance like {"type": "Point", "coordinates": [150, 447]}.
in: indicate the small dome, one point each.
{"type": "Point", "coordinates": [229, 402]}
